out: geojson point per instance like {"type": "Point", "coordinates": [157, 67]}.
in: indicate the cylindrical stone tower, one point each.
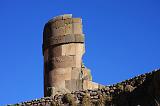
{"type": "Point", "coordinates": [63, 48]}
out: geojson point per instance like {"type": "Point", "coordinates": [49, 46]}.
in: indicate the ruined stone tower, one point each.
{"type": "Point", "coordinates": [63, 48]}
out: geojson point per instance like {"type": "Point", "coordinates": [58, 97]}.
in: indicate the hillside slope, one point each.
{"type": "Point", "coordinates": [143, 90]}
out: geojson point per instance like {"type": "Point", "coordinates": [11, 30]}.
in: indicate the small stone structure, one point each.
{"type": "Point", "coordinates": [63, 48]}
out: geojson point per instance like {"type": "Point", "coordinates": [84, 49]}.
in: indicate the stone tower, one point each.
{"type": "Point", "coordinates": [63, 48]}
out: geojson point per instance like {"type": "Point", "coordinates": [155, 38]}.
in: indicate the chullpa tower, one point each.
{"type": "Point", "coordinates": [63, 48]}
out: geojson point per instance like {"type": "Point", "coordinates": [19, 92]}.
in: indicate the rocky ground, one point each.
{"type": "Point", "coordinates": [143, 90]}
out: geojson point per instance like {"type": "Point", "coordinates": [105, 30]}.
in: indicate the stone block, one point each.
{"type": "Point", "coordinates": [58, 31]}
{"type": "Point", "coordinates": [76, 20]}
{"type": "Point", "coordinates": [69, 49]}
{"type": "Point", "coordinates": [77, 28]}
{"type": "Point", "coordinates": [79, 54]}
{"type": "Point", "coordinates": [62, 71]}
{"type": "Point", "coordinates": [54, 31]}
{"type": "Point", "coordinates": [68, 73]}
{"type": "Point", "coordinates": [59, 71]}
{"type": "Point", "coordinates": [62, 31]}
{"type": "Point", "coordinates": [73, 49]}
{"type": "Point", "coordinates": [57, 51]}
{"type": "Point", "coordinates": [63, 61]}
{"type": "Point", "coordinates": [75, 73]}
{"type": "Point", "coordinates": [58, 76]}
{"type": "Point", "coordinates": [68, 29]}
{"type": "Point", "coordinates": [73, 85]}
{"type": "Point", "coordinates": [57, 40]}
{"type": "Point", "coordinates": [79, 38]}
{"type": "Point", "coordinates": [68, 21]}
{"type": "Point", "coordinates": [58, 83]}
{"type": "Point", "coordinates": [60, 23]}
{"type": "Point", "coordinates": [79, 49]}
{"type": "Point", "coordinates": [68, 84]}
{"type": "Point", "coordinates": [57, 79]}
{"type": "Point", "coordinates": [71, 38]}
{"type": "Point", "coordinates": [78, 61]}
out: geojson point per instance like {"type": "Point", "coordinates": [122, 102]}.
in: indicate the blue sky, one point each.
{"type": "Point", "coordinates": [122, 41]}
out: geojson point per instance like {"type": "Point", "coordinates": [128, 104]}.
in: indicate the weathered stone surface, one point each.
{"type": "Point", "coordinates": [71, 38]}
{"type": "Point", "coordinates": [76, 73]}
{"type": "Point", "coordinates": [69, 49]}
{"type": "Point", "coordinates": [63, 61]}
{"type": "Point", "coordinates": [68, 29]}
{"type": "Point", "coordinates": [57, 51]}
{"type": "Point", "coordinates": [74, 84]}
{"type": "Point", "coordinates": [58, 23]}
{"type": "Point", "coordinates": [77, 20]}
{"type": "Point", "coordinates": [77, 28]}
{"type": "Point", "coordinates": [46, 55]}
{"type": "Point", "coordinates": [68, 21]}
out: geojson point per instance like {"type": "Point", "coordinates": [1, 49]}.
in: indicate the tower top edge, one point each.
{"type": "Point", "coordinates": [60, 17]}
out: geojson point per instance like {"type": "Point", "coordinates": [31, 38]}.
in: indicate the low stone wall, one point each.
{"type": "Point", "coordinates": [142, 90]}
